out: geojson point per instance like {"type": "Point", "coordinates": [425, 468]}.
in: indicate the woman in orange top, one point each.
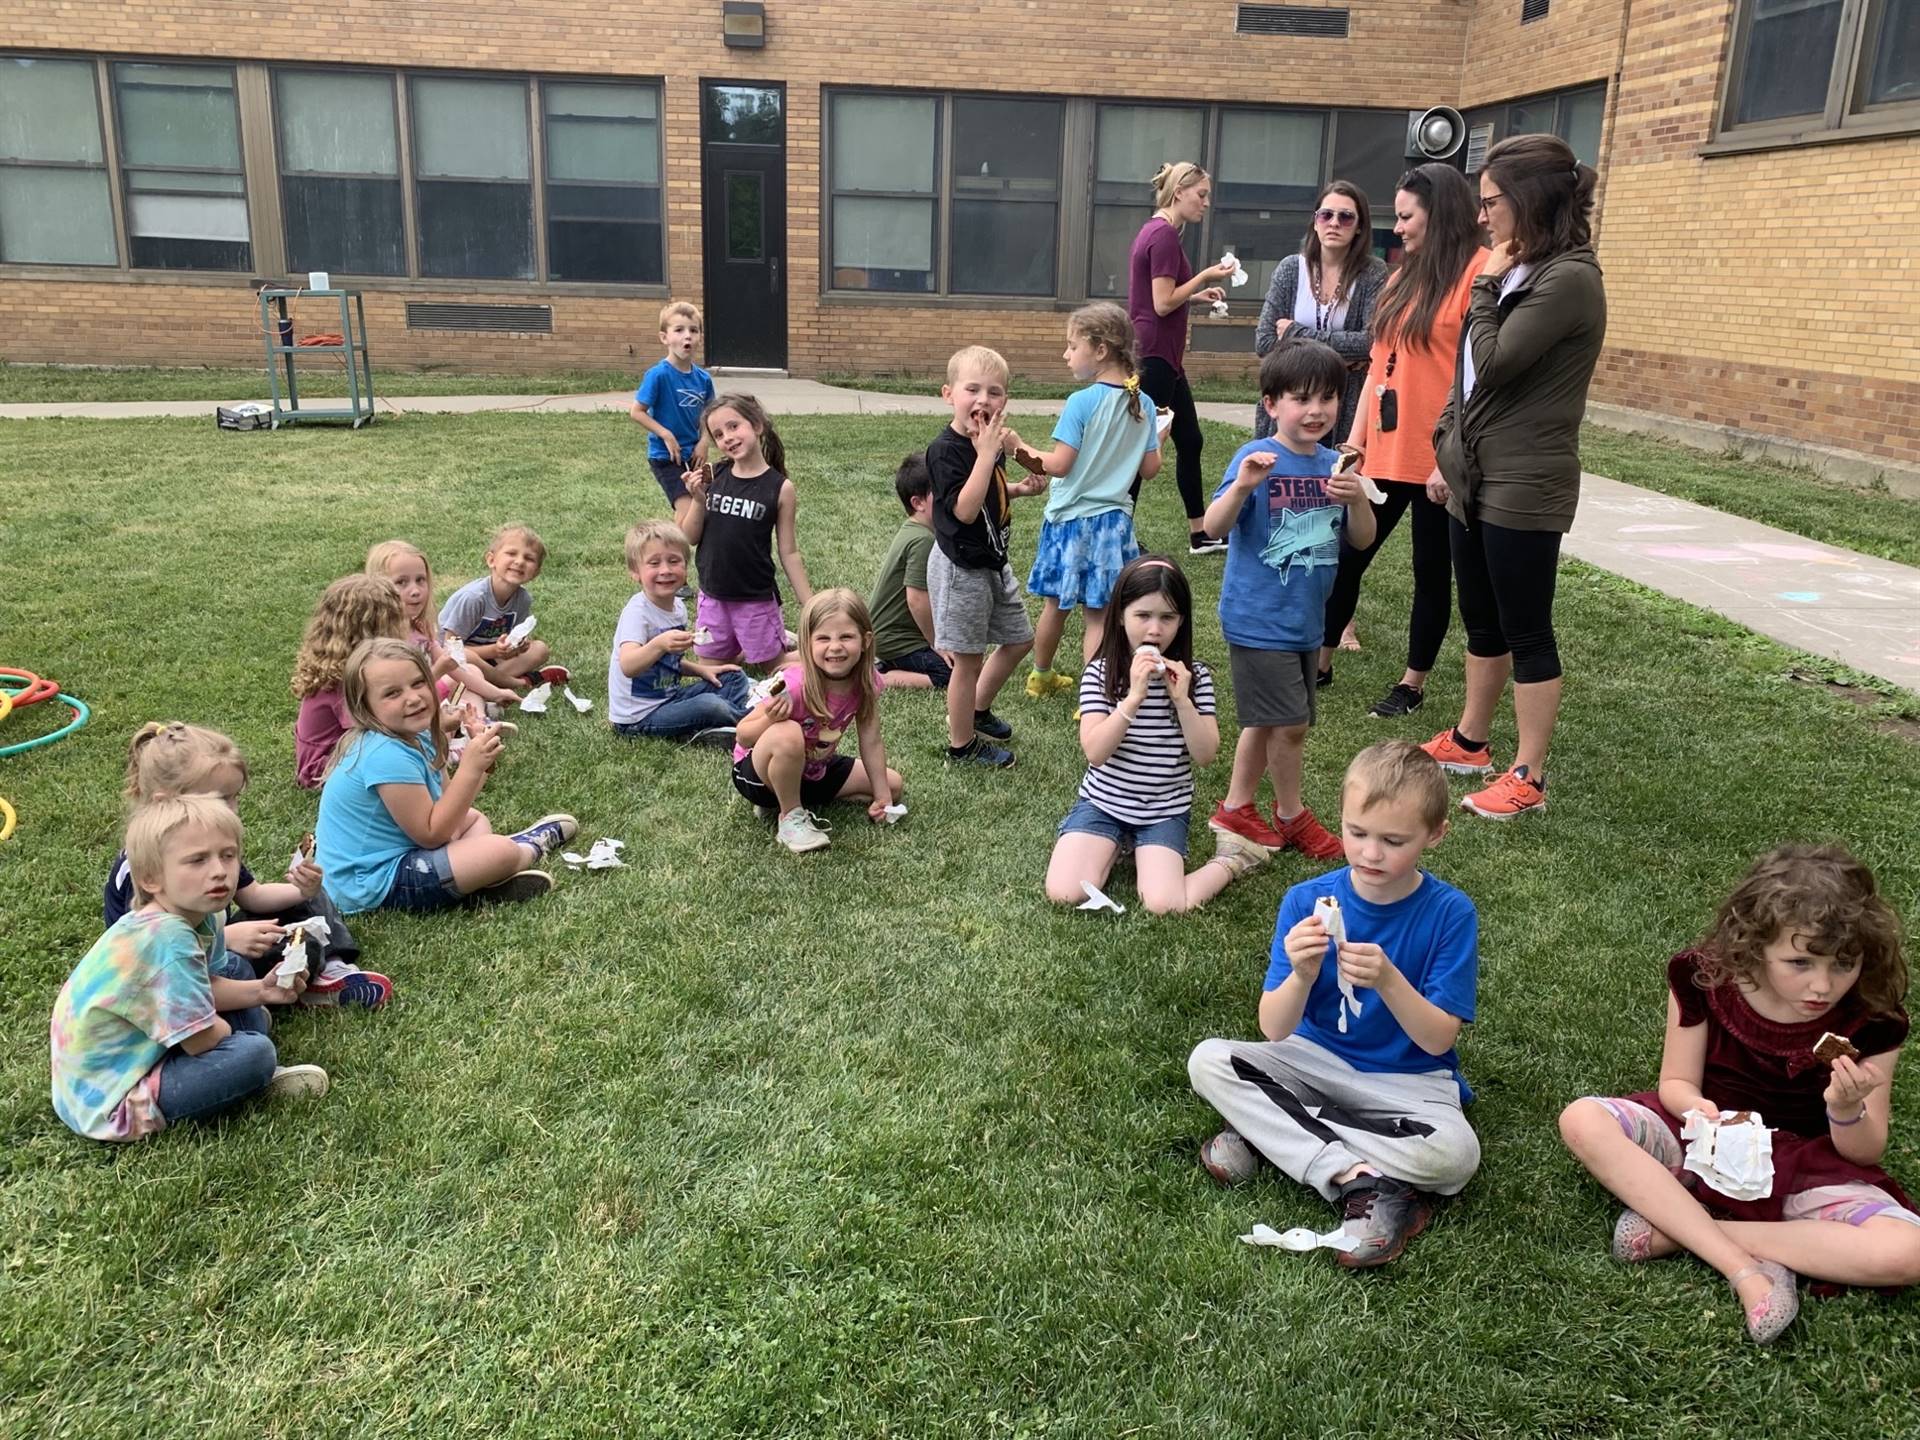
{"type": "Point", "coordinates": [1416, 340]}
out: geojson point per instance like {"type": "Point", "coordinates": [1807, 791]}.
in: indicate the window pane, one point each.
{"type": "Point", "coordinates": [883, 142]}
{"type": "Point", "coordinates": [337, 124]}
{"type": "Point", "coordinates": [607, 252]}
{"type": "Point", "coordinates": [1262, 239]}
{"type": "Point", "coordinates": [1896, 54]}
{"type": "Point", "coordinates": [1114, 228]}
{"type": "Point", "coordinates": [746, 216]}
{"type": "Point", "coordinates": [56, 217]}
{"type": "Point", "coordinates": [1581, 115]}
{"type": "Point", "coordinates": [602, 202]}
{"type": "Point", "coordinates": [882, 244]}
{"type": "Point", "coordinates": [1003, 247]}
{"type": "Point", "coordinates": [347, 225]}
{"type": "Point", "coordinates": [1007, 147]}
{"type": "Point", "coordinates": [615, 102]}
{"type": "Point", "coordinates": [178, 115]}
{"type": "Point", "coordinates": [47, 111]}
{"type": "Point", "coordinates": [602, 132]}
{"type": "Point", "coordinates": [473, 229]}
{"type": "Point", "coordinates": [1136, 140]}
{"type": "Point", "coordinates": [1789, 59]}
{"type": "Point", "coordinates": [1268, 158]}
{"type": "Point", "coordinates": [745, 115]}
{"type": "Point", "coordinates": [1369, 148]}
{"type": "Point", "coordinates": [471, 129]}
{"type": "Point", "coordinates": [1530, 117]}
{"type": "Point", "coordinates": [196, 181]}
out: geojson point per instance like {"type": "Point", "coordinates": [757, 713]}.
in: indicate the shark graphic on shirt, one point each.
{"type": "Point", "coordinates": [1303, 540]}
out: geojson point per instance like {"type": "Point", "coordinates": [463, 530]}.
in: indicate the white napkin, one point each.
{"type": "Point", "coordinates": [1734, 1157]}
{"type": "Point", "coordinates": [1097, 899]}
{"type": "Point", "coordinates": [605, 855]}
{"type": "Point", "coordinates": [1240, 276]}
{"type": "Point", "coordinates": [1300, 1239]}
{"type": "Point", "coordinates": [583, 706]}
{"type": "Point", "coordinates": [521, 631]}
{"type": "Point", "coordinates": [895, 813]}
{"type": "Point", "coordinates": [1220, 307]}
{"type": "Point", "coordinates": [1327, 910]}
{"type": "Point", "coordinates": [1162, 422]}
{"type": "Point", "coordinates": [534, 702]}
{"type": "Point", "coordinates": [456, 649]}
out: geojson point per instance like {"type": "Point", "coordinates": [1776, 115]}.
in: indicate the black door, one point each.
{"type": "Point", "coordinates": [743, 135]}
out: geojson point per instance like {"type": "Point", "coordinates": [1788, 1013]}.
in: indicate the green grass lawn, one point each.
{"type": "Point", "coordinates": [53, 384]}
{"type": "Point", "coordinates": [871, 1142]}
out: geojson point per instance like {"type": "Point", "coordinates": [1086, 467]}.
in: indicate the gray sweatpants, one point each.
{"type": "Point", "coordinates": [1313, 1115]}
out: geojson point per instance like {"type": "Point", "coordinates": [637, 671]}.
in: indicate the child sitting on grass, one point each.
{"type": "Point", "coordinates": [172, 759]}
{"type": "Point", "coordinates": [354, 608]}
{"type": "Point", "coordinates": [391, 832]}
{"type": "Point", "coordinates": [482, 612]}
{"type": "Point", "coordinates": [1146, 719]}
{"type": "Point", "coordinates": [412, 576]}
{"type": "Point", "coordinates": [786, 757]}
{"type": "Point", "coordinates": [1356, 1091]}
{"type": "Point", "coordinates": [902, 613]}
{"type": "Point", "coordinates": [158, 1024]}
{"type": "Point", "coordinates": [1805, 948]}
{"type": "Point", "coordinates": [654, 688]}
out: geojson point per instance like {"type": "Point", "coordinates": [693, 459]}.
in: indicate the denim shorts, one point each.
{"type": "Point", "coordinates": [667, 473]}
{"type": "Point", "coordinates": [1087, 818]}
{"type": "Point", "coordinates": [424, 881]}
{"type": "Point", "coordinates": [924, 661]}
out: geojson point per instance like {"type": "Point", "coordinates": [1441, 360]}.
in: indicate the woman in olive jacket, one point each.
{"type": "Point", "coordinates": [1508, 445]}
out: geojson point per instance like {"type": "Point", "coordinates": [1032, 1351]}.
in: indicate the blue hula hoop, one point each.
{"type": "Point", "coordinates": [81, 714]}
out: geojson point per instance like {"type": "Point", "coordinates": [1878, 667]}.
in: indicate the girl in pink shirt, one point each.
{"type": "Point", "coordinates": [354, 608]}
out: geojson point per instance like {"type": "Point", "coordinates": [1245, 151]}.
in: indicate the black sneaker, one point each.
{"type": "Point", "coordinates": [1200, 543]}
{"type": "Point", "coordinates": [978, 751]}
{"type": "Point", "coordinates": [1383, 1214]}
{"type": "Point", "coordinates": [717, 737]}
{"type": "Point", "coordinates": [1402, 699]}
{"type": "Point", "coordinates": [991, 725]}
{"type": "Point", "coordinates": [1323, 679]}
{"type": "Point", "coordinates": [527, 885]}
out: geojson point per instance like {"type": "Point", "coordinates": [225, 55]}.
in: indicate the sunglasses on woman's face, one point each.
{"type": "Point", "coordinates": [1336, 217]}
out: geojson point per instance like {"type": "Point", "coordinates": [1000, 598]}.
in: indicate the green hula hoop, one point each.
{"type": "Point", "coordinates": [80, 716]}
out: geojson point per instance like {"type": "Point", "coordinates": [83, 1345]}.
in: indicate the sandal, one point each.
{"type": "Point", "coordinates": [1771, 1316]}
{"type": "Point", "coordinates": [1633, 1238]}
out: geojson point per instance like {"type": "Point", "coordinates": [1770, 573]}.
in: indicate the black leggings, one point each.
{"type": "Point", "coordinates": [1506, 595]}
{"type": "Point", "coordinates": [1432, 573]}
{"type": "Point", "coordinates": [1168, 387]}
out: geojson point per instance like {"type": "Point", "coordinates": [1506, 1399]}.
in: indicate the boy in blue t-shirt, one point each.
{"type": "Point", "coordinates": [1356, 1091]}
{"type": "Point", "coordinates": [668, 404]}
{"type": "Point", "coordinates": [1283, 513]}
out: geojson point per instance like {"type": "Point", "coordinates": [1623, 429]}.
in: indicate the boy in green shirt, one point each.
{"type": "Point", "coordinates": [902, 613]}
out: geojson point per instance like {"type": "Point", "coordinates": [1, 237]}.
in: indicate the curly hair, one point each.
{"type": "Point", "coordinates": [354, 608]}
{"type": "Point", "coordinates": [1822, 897]}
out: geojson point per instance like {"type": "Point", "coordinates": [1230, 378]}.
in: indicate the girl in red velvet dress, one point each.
{"type": "Point", "coordinates": [1805, 946]}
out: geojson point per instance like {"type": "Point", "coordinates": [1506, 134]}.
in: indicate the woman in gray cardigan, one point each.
{"type": "Point", "coordinates": [1326, 293]}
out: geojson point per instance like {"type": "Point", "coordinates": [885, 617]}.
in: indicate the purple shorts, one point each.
{"type": "Point", "coordinates": [749, 630]}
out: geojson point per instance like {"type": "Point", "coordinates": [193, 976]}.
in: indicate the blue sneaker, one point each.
{"type": "Point", "coordinates": [366, 989]}
{"type": "Point", "coordinates": [549, 833]}
{"type": "Point", "coordinates": [991, 725]}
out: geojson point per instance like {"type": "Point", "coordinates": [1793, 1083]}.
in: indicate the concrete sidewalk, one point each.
{"type": "Point", "coordinates": [1860, 611]}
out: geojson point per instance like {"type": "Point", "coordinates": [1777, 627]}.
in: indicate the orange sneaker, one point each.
{"type": "Point", "coordinates": [1514, 793]}
{"type": "Point", "coordinates": [1455, 758]}
{"type": "Point", "coordinates": [1246, 822]}
{"type": "Point", "coordinates": [1309, 836]}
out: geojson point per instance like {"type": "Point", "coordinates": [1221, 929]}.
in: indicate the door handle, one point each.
{"type": "Point", "coordinates": [773, 271]}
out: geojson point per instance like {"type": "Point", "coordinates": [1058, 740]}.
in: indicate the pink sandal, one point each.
{"type": "Point", "coordinates": [1633, 1238]}
{"type": "Point", "coordinates": [1771, 1316]}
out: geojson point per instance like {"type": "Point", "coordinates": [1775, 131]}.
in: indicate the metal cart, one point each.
{"type": "Point", "coordinates": [276, 329]}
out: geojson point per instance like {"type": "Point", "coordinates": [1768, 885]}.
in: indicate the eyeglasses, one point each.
{"type": "Point", "coordinates": [1336, 217]}
{"type": "Point", "coordinates": [1487, 200]}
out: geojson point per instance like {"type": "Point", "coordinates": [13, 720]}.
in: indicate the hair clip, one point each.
{"type": "Point", "coordinates": [1133, 384]}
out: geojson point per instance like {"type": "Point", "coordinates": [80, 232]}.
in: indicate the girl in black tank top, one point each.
{"type": "Point", "coordinates": [746, 507]}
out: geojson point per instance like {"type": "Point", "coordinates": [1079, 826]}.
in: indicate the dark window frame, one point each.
{"type": "Point", "coordinates": [543, 176]}
{"type": "Point", "coordinates": [107, 166]}
{"type": "Point", "coordinates": [127, 169]}
{"type": "Point", "coordinates": [1845, 114]}
{"type": "Point", "coordinates": [401, 155]}
{"type": "Point", "coordinates": [935, 199]}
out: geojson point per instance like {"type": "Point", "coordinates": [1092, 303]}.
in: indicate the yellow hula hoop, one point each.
{"type": "Point", "coordinates": [6, 704]}
{"type": "Point", "coordinates": [6, 825]}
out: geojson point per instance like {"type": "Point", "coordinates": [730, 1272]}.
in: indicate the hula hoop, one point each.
{"type": "Point", "coordinates": [6, 704]}
{"type": "Point", "coordinates": [33, 692]}
{"type": "Point", "coordinates": [6, 828]}
{"type": "Point", "coordinates": [80, 716]}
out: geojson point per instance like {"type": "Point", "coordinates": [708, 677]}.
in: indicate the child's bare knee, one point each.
{"type": "Point", "coordinates": [1064, 892]}
{"type": "Point", "coordinates": [1168, 903]}
{"type": "Point", "coordinates": [1584, 1121]}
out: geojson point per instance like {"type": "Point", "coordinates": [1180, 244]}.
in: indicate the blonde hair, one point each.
{"type": "Point", "coordinates": [1394, 771]}
{"type": "Point", "coordinates": [978, 357]}
{"type": "Point", "coordinates": [156, 822]}
{"type": "Point", "coordinates": [380, 560]}
{"type": "Point", "coordinates": [1173, 177]}
{"type": "Point", "coordinates": [526, 533]}
{"type": "Point", "coordinates": [824, 605]}
{"type": "Point", "coordinates": [354, 608]}
{"type": "Point", "coordinates": [654, 532]}
{"type": "Point", "coordinates": [168, 758]}
{"type": "Point", "coordinates": [679, 307]}
{"type": "Point", "coordinates": [1105, 324]}
{"type": "Point", "coordinates": [353, 691]}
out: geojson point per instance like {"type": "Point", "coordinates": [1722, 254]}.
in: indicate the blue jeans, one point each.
{"type": "Point", "coordinates": [692, 708]}
{"type": "Point", "coordinates": [193, 1087]}
{"type": "Point", "coordinates": [1087, 818]}
{"type": "Point", "coordinates": [924, 661]}
{"type": "Point", "coordinates": [424, 881]}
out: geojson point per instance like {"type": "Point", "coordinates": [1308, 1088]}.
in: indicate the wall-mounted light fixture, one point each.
{"type": "Point", "coordinates": [743, 24]}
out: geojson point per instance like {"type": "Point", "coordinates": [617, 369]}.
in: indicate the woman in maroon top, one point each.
{"type": "Point", "coordinates": [1804, 947]}
{"type": "Point", "coordinates": [1160, 282]}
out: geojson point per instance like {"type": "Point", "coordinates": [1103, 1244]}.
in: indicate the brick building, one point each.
{"type": "Point", "coordinates": [519, 185]}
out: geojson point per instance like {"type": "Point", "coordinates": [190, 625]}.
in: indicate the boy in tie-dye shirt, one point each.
{"type": "Point", "coordinates": [157, 1024]}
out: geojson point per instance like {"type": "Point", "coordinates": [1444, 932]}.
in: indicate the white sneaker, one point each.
{"type": "Point", "coordinates": [800, 831]}
{"type": "Point", "coordinates": [297, 1082]}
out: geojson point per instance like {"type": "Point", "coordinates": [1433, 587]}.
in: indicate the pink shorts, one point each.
{"type": "Point", "coordinates": [749, 630]}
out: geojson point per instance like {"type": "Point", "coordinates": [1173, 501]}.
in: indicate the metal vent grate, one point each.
{"type": "Point", "coordinates": [1479, 141]}
{"type": "Point", "coordinates": [1315, 21]}
{"type": "Point", "coordinates": [452, 315]}
{"type": "Point", "coordinates": [1531, 10]}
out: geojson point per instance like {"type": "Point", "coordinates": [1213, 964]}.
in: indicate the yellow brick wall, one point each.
{"type": "Point", "coordinates": [1574, 43]}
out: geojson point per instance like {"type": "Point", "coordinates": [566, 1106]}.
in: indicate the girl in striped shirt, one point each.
{"type": "Point", "coordinates": [1146, 717]}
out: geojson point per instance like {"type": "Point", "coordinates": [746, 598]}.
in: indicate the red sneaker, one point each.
{"type": "Point", "coordinates": [1514, 793]}
{"type": "Point", "coordinates": [555, 674]}
{"type": "Point", "coordinates": [1246, 822]}
{"type": "Point", "coordinates": [1309, 836]}
{"type": "Point", "coordinates": [1455, 758]}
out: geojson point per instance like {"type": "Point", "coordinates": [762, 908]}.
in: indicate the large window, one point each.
{"type": "Point", "coordinates": [1576, 116]}
{"type": "Point", "coordinates": [1265, 186]}
{"type": "Point", "coordinates": [1813, 69]}
{"type": "Point", "coordinates": [603, 183]}
{"type": "Point", "coordinates": [883, 163]}
{"type": "Point", "coordinates": [180, 158]}
{"type": "Point", "coordinates": [54, 202]}
{"type": "Point", "coordinates": [1006, 193]}
{"type": "Point", "coordinates": [473, 178]}
{"type": "Point", "coordinates": [1131, 143]}
{"type": "Point", "coordinates": [340, 172]}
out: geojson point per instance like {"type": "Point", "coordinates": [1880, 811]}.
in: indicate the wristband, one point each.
{"type": "Point", "coordinates": [1833, 1119]}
